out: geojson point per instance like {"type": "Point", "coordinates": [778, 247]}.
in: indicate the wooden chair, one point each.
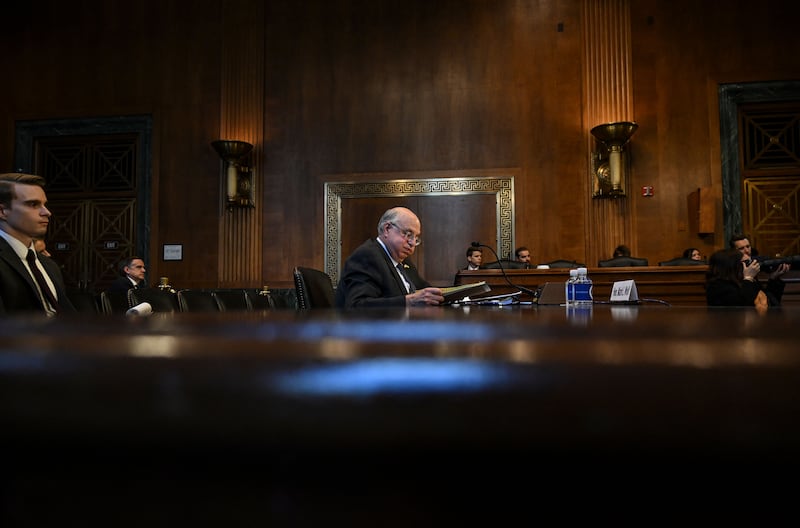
{"type": "Point", "coordinates": [314, 288]}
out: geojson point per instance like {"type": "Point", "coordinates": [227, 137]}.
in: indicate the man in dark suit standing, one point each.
{"type": "Point", "coordinates": [29, 281]}
{"type": "Point", "coordinates": [133, 272]}
{"type": "Point", "coordinates": [377, 273]}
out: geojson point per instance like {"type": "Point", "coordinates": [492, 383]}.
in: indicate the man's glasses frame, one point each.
{"type": "Point", "coordinates": [408, 234]}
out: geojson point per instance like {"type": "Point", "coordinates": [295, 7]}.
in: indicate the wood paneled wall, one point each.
{"type": "Point", "coordinates": [393, 85]}
{"type": "Point", "coordinates": [608, 98]}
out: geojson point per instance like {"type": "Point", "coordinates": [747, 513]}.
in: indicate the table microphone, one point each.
{"type": "Point", "coordinates": [530, 292]}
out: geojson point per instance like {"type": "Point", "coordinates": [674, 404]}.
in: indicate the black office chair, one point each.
{"type": "Point", "coordinates": [160, 300]}
{"type": "Point", "coordinates": [314, 288]}
{"type": "Point", "coordinates": [619, 262]}
{"type": "Point", "coordinates": [114, 302]}
{"type": "Point", "coordinates": [563, 263]}
{"type": "Point", "coordinates": [506, 265]}
{"type": "Point", "coordinates": [283, 299]}
{"type": "Point", "coordinates": [260, 300]}
{"type": "Point", "coordinates": [233, 300]}
{"type": "Point", "coordinates": [197, 301]}
{"type": "Point", "coordinates": [84, 301]}
{"type": "Point", "coordinates": [682, 261]}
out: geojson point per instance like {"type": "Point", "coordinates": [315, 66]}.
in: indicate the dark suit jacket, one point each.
{"type": "Point", "coordinates": [124, 284]}
{"type": "Point", "coordinates": [728, 293]}
{"type": "Point", "coordinates": [370, 280]}
{"type": "Point", "coordinates": [18, 292]}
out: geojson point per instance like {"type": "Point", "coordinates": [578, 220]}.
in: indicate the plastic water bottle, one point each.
{"type": "Point", "coordinates": [569, 287]}
{"type": "Point", "coordinates": [583, 289]}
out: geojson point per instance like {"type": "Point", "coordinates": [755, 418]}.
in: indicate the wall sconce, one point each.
{"type": "Point", "coordinates": [238, 176]}
{"type": "Point", "coordinates": [608, 164]}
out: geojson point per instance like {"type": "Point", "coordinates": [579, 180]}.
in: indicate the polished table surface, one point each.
{"type": "Point", "coordinates": [366, 403]}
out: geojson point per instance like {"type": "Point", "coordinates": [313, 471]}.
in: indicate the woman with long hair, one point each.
{"type": "Point", "coordinates": [732, 282]}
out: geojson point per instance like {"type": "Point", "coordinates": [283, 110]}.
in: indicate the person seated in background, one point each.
{"type": "Point", "coordinates": [474, 258]}
{"type": "Point", "coordinates": [133, 271]}
{"type": "Point", "coordinates": [741, 243]}
{"type": "Point", "coordinates": [523, 255]}
{"type": "Point", "coordinates": [621, 251]}
{"type": "Point", "coordinates": [732, 281]}
{"type": "Point", "coordinates": [622, 257]}
{"type": "Point", "coordinates": [692, 254]}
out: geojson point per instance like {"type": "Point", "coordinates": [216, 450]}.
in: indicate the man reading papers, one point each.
{"type": "Point", "coordinates": [377, 273]}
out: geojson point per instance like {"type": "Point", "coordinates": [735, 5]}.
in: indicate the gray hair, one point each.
{"type": "Point", "coordinates": [389, 217]}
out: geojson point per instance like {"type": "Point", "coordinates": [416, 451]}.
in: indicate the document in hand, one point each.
{"type": "Point", "coordinates": [456, 293]}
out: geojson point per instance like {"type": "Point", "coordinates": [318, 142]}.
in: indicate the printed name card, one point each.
{"type": "Point", "coordinates": [624, 291]}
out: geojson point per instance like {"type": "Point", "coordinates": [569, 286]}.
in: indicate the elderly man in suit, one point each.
{"type": "Point", "coordinates": [377, 274]}
{"type": "Point", "coordinates": [29, 281]}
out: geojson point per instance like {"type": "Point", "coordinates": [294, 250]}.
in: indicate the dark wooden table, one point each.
{"type": "Point", "coordinates": [410, 417]}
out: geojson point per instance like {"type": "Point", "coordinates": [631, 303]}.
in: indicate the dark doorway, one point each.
{"type": "Point", "coordinates": [760, 149]}
{"type": "Point", "coordinates": [98, 189]}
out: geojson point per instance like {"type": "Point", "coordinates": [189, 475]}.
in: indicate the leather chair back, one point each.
{"type": "Point", "coordinates": [681, 261]}
{"type": "Point", "coordinates": [619, 262]}
{"type": "Point", "coordinates": [161, 300]}
{"type": "Point", "coordinates": [233, 300]}
{"type": "Point", "coordinates": [114, 302]}
{"type": "Point", "coordinates": [564, 263]}
{"type": "Point", "coordinates": [314, 288]}
{"type": "Point", "coordinates": [197, 301]}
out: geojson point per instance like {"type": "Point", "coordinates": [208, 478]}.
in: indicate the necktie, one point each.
{"type": "Point", "coordinates": [411, 287]}
{"type": "Point", "coordinates": [31, 258]}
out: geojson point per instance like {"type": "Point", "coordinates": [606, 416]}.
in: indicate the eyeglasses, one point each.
{"type": "Point", "coordinates": [408, 234]}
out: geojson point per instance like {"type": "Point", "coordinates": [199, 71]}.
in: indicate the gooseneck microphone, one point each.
{"type": "Point", "coordinates": [503, 271]}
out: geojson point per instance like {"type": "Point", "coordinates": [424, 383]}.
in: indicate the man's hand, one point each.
{"type": "Point", "coordinates": [783, 268]}
{"type": "Point", "coordinates": [751, 271]}
{"type": "Point", "coordinates": [426, 296]}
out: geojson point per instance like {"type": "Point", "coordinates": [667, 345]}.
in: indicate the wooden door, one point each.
{"type": "Point", "coordinates": [92, 191]}
{"type": "Point", "coordinates": [770, 167]}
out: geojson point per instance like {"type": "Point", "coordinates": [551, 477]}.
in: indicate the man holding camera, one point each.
{"type": "Point", "coordinates": [752, 267]}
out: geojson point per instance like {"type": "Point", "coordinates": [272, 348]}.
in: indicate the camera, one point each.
{"type": "Point", "coordinates": [768, 265]}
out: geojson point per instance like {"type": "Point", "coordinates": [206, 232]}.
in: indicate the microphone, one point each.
{"type": "Point", "coordinates": [530, 292]}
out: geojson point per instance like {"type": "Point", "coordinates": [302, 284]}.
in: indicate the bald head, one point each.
{"type": "Point", "coordinates": [399, 229]}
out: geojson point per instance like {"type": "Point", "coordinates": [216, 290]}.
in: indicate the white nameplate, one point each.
{"type": "Point", "coordinates": [624, 291]}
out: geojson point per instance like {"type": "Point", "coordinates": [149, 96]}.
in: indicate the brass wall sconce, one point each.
{"type": "Point", "coordinates": [609, 165]}
{"type": "Point", "coordinates": [238, 175]}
